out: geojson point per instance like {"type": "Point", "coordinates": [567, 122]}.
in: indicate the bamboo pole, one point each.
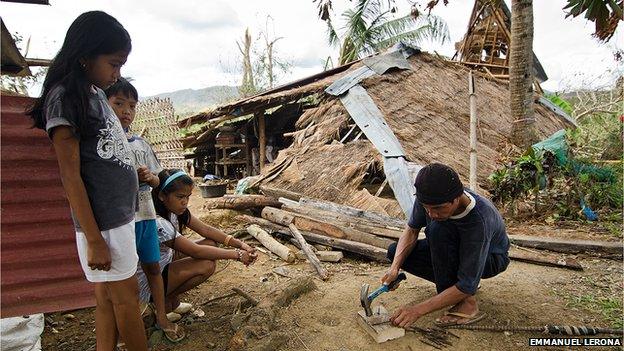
{"type": "Point", "coordinates": [473, 132]}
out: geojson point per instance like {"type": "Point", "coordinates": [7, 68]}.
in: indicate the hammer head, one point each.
{"type": "Point", "coordinates": [364, 301]}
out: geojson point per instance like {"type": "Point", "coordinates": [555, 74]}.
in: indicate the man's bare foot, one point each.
{"type": "Point", "coordinates": [468, 306]}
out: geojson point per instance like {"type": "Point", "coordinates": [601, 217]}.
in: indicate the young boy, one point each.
{"type": "Point", "coordinates": [123, 98]}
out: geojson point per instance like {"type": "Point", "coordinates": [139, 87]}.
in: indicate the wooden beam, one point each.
{"type": "Point", "coordinates": [352, 212]}
{"type": "Point", "coordinates": [357, 223]}
{"type": "Point", "coordinates": [567, 245]}
{"type": "Point", "coordinates": [323, 227]}
{"type": "Point", "coordinates": [544, 260]}
{"type": "Point", "coordinates": [240, 202]}
{"type": "Point", "coordinates": [314, 261]}
{"type": "Point", "coordinates": [261, 138]}
{"type": "Point", "coordinates": [368, 251]}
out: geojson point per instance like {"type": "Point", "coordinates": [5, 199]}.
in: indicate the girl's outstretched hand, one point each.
{"type": "Point", "coordinates": [98, 255]}
{"type": "Point", "coordinates": [251, 251]}
{"type": "Point", "coordinates": [246, 258]}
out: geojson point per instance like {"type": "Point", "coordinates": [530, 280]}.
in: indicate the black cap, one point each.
{"type": "Point", "coordinates": [437, 184]}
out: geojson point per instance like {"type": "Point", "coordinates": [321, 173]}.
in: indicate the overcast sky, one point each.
{"type": "Point", "coordinates": [192, 43]}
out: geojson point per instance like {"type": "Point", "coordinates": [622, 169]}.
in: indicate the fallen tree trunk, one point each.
{"type": "Point", "coordinates": [270, 243]}
{"type": "Point", "coordinates": [544, 260]}
{"type": "Point", "coordinates": [285, 218]}
{"type": "Point", "coordinates": [314, 261]}
{"type": "Point", "coordinates": [567, 245]}
{"type": "Point", "coordinates": [360, 224]}
{"type": "Point", "coordinates": [372, 252]}
{"type": "Point", "coordinates": [240, 202]}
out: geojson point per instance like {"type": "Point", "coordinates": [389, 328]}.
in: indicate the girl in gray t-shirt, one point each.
{"type": "Point", "coordinates": [98, 177]}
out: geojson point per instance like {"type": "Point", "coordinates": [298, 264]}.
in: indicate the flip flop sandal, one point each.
{"type": "Point", "coordinates": [121, 346]}
{"type": "Point", "coordinates": [183, 307]}
{"type": "Point", "coordinates": [472, 318]}
{"type": "Point", "coordinates": [173, 317]}
{"type": "Point", "coordinates": [174, 335]}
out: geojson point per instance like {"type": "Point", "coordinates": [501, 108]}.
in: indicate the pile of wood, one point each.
{"type": "Point", "coordinates": [367, 234]}
{"type": "Point", "coordinates": [340, 227]}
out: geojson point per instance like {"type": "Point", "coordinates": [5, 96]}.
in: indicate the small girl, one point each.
{"type": "Point", "coordinates": [96, 170]}
{"type": "Point", "coordinates": [171, 201]}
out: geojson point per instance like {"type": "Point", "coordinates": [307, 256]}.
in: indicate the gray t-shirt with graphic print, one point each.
{"type": "Point", "coordinates": [143, 155]}
{"type": "Point", "coordinates": [106, 166]}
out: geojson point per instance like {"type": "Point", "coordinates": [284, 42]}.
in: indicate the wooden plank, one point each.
{"type": "Point", "coordinates": [352, 212]}
{"type": "Point", "coordinates": [360, 224]}
{"type": "Point", "coordinates": [544, 260]}
{"type": "Point", "coordinates": [368, 251]}
{"type": "Point", "coordinates": [379, 332]}
{"type": "Point", "coordinates": [568, 245]}
{"type": "Point", "coordinates": [314, 261]}
{"type": "Point", "coordinates": [270, 243]}
{"type": "Point", "coordinates": [328, 228]}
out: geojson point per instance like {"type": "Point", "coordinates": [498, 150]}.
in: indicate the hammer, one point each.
{"type": "Point", "coordinates": [366, 299]}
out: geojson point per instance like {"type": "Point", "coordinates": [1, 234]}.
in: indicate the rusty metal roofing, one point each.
{"type": "Point", "coordinates": [40, 271]}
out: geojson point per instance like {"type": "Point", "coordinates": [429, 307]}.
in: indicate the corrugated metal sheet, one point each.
{"type": "Point", "coordinates": [40, 268]}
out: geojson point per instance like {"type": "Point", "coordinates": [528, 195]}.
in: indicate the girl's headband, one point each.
{"type": "Point", "coordinates": [171, 178]}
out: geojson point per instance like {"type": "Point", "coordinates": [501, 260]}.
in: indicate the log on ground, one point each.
{"type": "Point", "coordinates": [372, 252]}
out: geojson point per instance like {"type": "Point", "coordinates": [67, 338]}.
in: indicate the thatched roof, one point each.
{"type": "Point", "coordinates": [428, 110]}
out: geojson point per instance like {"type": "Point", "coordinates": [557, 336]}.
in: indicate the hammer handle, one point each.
{"type": "Point", "coordinates": [401, 277]}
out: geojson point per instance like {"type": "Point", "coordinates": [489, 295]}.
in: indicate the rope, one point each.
{"type": "Point", "coordinates": [547, 329]}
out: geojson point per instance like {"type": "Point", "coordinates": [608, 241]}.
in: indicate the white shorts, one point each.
{"type": "Point", "coordinates": [122, 247]}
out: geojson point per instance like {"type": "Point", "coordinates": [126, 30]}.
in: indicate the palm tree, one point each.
{"type": "Point", "coordinates": [523, 130]}
{"type": "Point", "coordinates": [369, 28]}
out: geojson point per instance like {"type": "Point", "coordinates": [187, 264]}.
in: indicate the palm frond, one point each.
{"type": "Point", "coordinates": [415, 36]}
{"type": "Point", "coordinates": [332, 35]}
{"type": "Point", "coordinates": [429, 27]}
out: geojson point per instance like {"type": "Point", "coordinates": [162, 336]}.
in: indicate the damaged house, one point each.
{"type": "Point", "coordinates": [356, 134]}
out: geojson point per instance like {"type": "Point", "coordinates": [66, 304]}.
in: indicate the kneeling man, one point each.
{"type": "Point", "coordinates": [465, 240]}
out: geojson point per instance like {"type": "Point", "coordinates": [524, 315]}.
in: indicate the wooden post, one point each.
{"type": "Point", "coordinates": [261, 139]}
{"type": "Point", "coordinates": [473, 133]}
{"type": "Point", "coordinates": [314, 261]}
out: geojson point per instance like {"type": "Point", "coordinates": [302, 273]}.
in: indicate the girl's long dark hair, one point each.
{"type": "Point", "coordinates": [175, 185]}
{"type": "Point", "coordinates": [92, 34]}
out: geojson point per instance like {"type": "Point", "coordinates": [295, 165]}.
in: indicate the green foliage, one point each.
{"type": "Point", "coordinates": [609, 307]}
{"type": "Point", "coordinates": [370, 27]}
{"type": "Point", "coordinates": [557, 188]}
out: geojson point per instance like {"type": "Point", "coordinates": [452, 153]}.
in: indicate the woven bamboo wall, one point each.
{"type": "Point", "coordinates": [155, 121]}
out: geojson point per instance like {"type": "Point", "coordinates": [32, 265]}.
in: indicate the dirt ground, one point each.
{"type": "Point", "coordinates": [325, 319]}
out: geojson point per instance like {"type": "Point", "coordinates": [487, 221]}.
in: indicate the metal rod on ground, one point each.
{"type": "Point", "coordinates": [547, 329]}
{"type": "Point", "coordinates": [473, 132]}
